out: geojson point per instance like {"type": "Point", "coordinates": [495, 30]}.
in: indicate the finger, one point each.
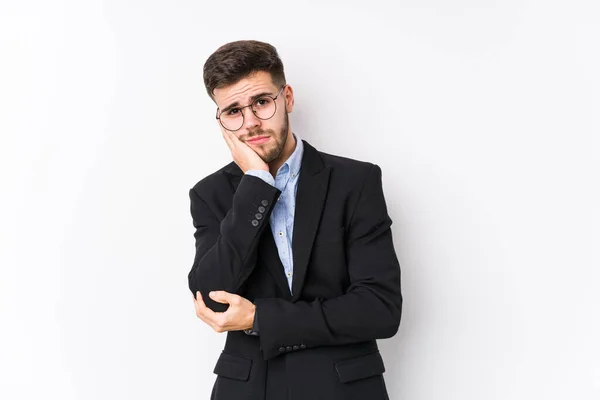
{"type": "Point", "coordinates": [200, 302]}
{"type": "Point", "coordinates": [226, 134]}
{"type": "Point", "coordinates": [207, 320]}
{"type": "Point", "coordinates": [197, 306]}
{"type": "Point", "coordinates": [203, 311]}
{"type": "Point", "coordinates": [227, 139]}
{"type": "Point", "coordinates": [231, 138]}
{"type": "Point", "coordinates": [221, 296]}
{"type": "Point", "coordinates": [217, 321]}
{"type": "Point", "coordinates": [204, 319]}
{"type": "Point", "coordinates": [196, 303]}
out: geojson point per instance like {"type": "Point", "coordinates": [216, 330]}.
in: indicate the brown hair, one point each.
{"type": "Point", "coordinates": [236, 60]}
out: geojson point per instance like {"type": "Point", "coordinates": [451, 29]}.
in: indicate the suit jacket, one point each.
{"type": "Point", "coordinates": [318, 342]}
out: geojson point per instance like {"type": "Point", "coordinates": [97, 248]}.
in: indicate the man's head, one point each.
{"type": "Point", "coordinates": [242, 73]}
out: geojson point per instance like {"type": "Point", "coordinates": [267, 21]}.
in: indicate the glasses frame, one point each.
{"type": "Point", "coordinates": [218, 116]}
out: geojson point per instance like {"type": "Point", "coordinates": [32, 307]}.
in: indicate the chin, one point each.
{"type": "Point", "coordinates": [270, 157]}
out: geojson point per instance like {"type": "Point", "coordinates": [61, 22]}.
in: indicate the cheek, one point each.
{"type": "Point", "coordinates": [279, 123]}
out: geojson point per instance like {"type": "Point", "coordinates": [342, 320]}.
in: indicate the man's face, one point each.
{"type": "Point", "coordinates": [276, 128]}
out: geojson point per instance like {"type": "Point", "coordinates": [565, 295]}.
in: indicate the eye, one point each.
{"type": "Point", "coordinates": [262, 102]}
{"type": "Point", "coordinates": [232, 111]}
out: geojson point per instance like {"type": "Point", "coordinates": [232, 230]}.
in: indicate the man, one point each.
{"type": "Point", "coordinates": [294, 254]}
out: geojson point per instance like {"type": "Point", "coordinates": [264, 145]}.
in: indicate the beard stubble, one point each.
{"type": "Point", "coordinates": [280, 140]}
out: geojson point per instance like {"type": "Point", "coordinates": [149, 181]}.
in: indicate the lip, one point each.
{"type": "Point", "coordinates": [258, 140]}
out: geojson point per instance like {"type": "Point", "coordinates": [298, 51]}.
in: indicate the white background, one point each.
{"type": "Point", "coordinates": [484, 116]}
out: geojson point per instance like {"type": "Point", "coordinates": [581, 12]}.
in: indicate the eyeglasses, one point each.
{"type": "Point", "coordinates": [263, 107]}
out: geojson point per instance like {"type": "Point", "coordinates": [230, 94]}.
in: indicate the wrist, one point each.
{"type": "Point", "coordinates": [253, 329]}
{"type": "Point", "coordinates": [251, 317]}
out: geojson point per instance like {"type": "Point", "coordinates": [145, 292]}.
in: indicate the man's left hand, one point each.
{"type": "Point", "coordinates": [239, 315]}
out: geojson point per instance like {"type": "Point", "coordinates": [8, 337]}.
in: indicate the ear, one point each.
{"type": "Point", "coordinates": [289, 98]}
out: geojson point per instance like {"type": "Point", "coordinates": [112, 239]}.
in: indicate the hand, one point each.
{"type": "Point", "coordinates": [239, 315]}
{"type": "Point", "coordinates": [243, 155]}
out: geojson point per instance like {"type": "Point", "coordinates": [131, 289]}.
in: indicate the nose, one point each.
{"type": "Point", "coordinates": [250, 120]}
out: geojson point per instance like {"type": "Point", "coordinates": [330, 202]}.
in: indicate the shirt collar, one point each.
{"type": "Point", "coordinates": [294, 161]}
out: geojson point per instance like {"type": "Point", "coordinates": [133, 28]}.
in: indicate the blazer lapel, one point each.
{"type": "Point", "coordinates": [310, 198]}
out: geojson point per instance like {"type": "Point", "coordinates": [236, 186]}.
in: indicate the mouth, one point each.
{"type": "Point", "coordinates": [258, 140]}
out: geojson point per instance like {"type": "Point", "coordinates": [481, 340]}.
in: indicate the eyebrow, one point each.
{"type": "Point", "coordinates": [252, 99]}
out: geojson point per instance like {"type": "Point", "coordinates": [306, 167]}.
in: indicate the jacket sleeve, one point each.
{"type": "Point", "coordinates": [370, 308]}
{"type": "Point", "coordinates": [226, 250]}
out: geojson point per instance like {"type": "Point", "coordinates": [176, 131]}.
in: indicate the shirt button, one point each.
{"type": "Point", "coordinates": [280, 233]}
{"type": "Point", "coordinates": [254, 222]}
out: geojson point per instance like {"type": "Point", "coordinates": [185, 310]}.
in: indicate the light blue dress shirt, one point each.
{"type": "Point", "coordinates": [282, 216]}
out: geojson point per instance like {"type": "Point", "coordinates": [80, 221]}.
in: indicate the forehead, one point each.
{"type": "Point", "coordinates": [245, 88]}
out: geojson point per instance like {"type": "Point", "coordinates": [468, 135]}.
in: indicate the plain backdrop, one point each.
{"type": "Point", "coordinates": [483, 115]}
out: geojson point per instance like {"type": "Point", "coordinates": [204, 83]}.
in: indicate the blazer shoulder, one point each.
{"type": "Point", "coordinates": [348, 168]}
{"type": "Point", "coordinates": [214, 180]}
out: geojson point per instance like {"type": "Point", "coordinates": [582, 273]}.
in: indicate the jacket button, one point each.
{"type": "Point", "coordinates": [281, 349]}
{"type": "Point", "coordinates": [296, 347]}
{"type": "Point", "coordinates": [264, 203]}
{"type": "Point", "coordinates": [262, 209]}
{"type": "Point", "coordinates": [258, 216]}
{"type": "Point", "coordinates": [254, 222]}
{"type": "Point", "coordinates": [289, 348]}
{"type": "Point", "coordinates": [302, 346]}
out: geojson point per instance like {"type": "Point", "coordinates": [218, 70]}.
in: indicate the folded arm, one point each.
{"type": "Point", "coordinates": [372, 305]}
{"type": "Point", "coordinates": [226, 251]}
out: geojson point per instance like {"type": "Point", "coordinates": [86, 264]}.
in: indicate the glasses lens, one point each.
{"type": "Point", "coordinates": [264, 107]}
{"type": "Point", "coordinates": [232, 119]}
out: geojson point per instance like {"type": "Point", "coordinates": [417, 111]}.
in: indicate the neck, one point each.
{"type": "Point", "coordinates": [288, 149]}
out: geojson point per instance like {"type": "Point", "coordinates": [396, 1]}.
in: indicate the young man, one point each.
{"type": "Point", "coordinates": [294, 253]}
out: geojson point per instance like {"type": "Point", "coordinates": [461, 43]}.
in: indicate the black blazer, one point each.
{"type": "Point", "coordinates": [319, 342]}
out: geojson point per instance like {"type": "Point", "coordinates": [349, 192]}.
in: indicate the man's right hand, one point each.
{"type": "Point", "coordinates": [243, 155]}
